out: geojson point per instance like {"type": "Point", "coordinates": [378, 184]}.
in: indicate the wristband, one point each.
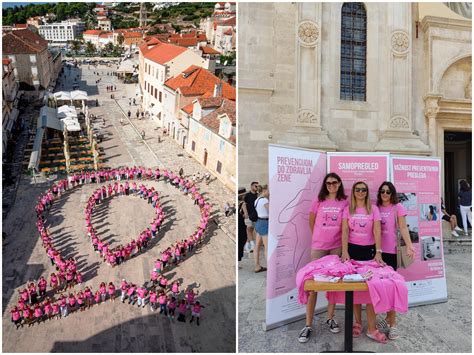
{"type": "Point", "coordinates": [379, 251]}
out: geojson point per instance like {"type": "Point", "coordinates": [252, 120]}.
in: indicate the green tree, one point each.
{"type": "Point", "coordinates": [120, 39]}
{"type": "Point", "coordinates": [90, 48]}
{"type": "Point", "coordinates": [109, 47]}
{"type": "Point", "coordinates": [76, 45]}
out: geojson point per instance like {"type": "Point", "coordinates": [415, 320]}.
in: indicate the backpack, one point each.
{"type": "Point", "coordinates": [253, 212]}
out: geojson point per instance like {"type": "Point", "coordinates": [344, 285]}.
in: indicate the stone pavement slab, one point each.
{"type": "Point", "coordinates": [437, 328]}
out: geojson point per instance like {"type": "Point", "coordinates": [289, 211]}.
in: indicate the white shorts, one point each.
{"type": "Point", "coordinates": [197, 315]}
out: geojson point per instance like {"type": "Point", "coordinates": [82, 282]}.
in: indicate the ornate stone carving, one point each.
{"type": "Point", "coordinates": [308, 33]}
{"type": "Point", "coordinates": [399, 123]}
{"type": "Point", "coordinates": [308, 117]}
{"type": "Point", "coordinates": [400, 42]}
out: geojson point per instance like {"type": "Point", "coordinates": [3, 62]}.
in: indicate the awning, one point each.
{"type": "Point", "coordinates": [78, 95]}
{"type": "Point", "coordinates": [48, 118]}
{"type": "Point", "coordinates": [62, 95]}
{"type": "Point", "coordinates": [66, 111]}
{"type": "Point", "coordinates": [36, 153]}
{"type": "Point", "coordinates": [71, 125]}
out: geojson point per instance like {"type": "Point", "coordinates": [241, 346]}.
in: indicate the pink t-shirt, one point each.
{"type": "Point", "coordinates": [389, 226]}
{"type": "Point", "coordinates": [361, 225]}
{"type": "Point", "coordinates": [328, 224]}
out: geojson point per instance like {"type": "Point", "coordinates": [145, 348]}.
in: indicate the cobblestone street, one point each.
{"type": "Point", "coordinates": [121, 327]}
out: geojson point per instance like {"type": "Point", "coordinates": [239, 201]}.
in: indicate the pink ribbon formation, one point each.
{"type": "Point", "coordinates": [36, 303]}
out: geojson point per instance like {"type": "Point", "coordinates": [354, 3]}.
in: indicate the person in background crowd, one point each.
{"type": "Point", "coordinates": [452, 219]}
{"type": "Point", "coordinates": [325, 222]}
{"type": "Point", "coordinates": [465, 204]}
{"type": "Point", "coordinates": [392, 214]}
{"type": "Point", "coordinates": [261, 226]}
{"type": "Point", "coordinates": [361, 240]}
{"type": "Point", "coordinates": [242, 228]}
{"type": "Point", "coordinates": [251, 215]}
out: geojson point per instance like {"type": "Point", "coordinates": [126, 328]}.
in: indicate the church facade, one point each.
{"type": "Point", "coordinates": [357, 77]}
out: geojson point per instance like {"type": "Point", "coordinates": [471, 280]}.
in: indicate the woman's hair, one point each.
{"type": "Point", "coordinates": [464, 186]}
{"type": "Point", "coordinates": [323, 192]}
{"type": "Point", "coordinates": [353, 205]}
{"type": "Point", "coordinates": [262, 188]}
{"type": "Point", "coordinates": [432, 210]}
{"type": "Point", "coordinates": [393, 196]}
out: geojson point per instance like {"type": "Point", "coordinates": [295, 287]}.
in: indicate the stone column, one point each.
{"type": "Point", "coordinates": [431, 111]}
{"type": "Point", "coordinates": [398, 136]}
{"type": "Point", "coordinates": [307, 130]}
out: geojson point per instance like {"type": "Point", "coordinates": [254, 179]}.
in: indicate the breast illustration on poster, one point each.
{"type": "Point", "coordinates": [372, 168]}
{"type": "Point", "coordinates": [295, 177]}
{"type": "Point", "coordinates": [419, 189]}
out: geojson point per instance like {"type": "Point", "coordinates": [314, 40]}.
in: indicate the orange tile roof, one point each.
{"type": "Point", "coordinates": [212, 121]}
{"type": "Point", "coordinates": [21, 25]}
{"type": "Point", "coordinates": [163, 52]}
{"type": "Point", "coordinates": [92, 32]}
{"type": "Point", "coordinates": [188, 108]}
{"type": "Point", "coordinates": [197, 81]}
{"type": "Point", "coordinates": [209, 50]}
{"type": "Point", "coordinates": [184, 42]}
{"type": "Point", "coordinates": [132, 35]}
{"type": "Point", "coordinates": [229, 22]}
{"type": "Point", "coordinates": [105, 35]}
{"type": "Point", "coordinates": [23, 42]}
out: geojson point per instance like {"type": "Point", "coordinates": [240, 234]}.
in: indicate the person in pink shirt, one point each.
{"type": "Point", "coordinates": [42, 284]}
{"type": "Point", "coordinates": [190, 295]}
{"type": "Point", "coordinates": [78, 278]}
{"type": "Point", "coordinates": [325, 222]}
{"type": "Point", "coordinates": [48, 308]}
{"type": "Point", "coordinates": [196, 312]}
{"type": "Point", "coordinates": [171, 308]}
{"type": "Point", "coordinates": [88, 297]}
{"type": "Point", "coordinates": [361, 240]}
{"type": "Point", "coordinates": [63, 306]}
{"type": "Point", "coordinates": [175, 288]}
{"type": "Point", "coordinates": [16, 317]}
{"type": "Point", "coordinates": [81, 300]}
{"type": "Point", "coordinates": [182, 311]}
{"type": "Point", "coordinates": [141, 295]}
{"type": "Point", "coordinates": [97, 297]}
{"type": "Point", "coordinates": [72, 302]}
{"type": "Point", "coordinates": [123, 289]}
{"type": "Point", "coordinates": [111, 291]}
{"type": "Point", "coordinates": [392, 215]}
{"type": "Point", "coordinates": [131, 293]}
{"type": "Point", "coordinates": [153, 300]}
{"type": "Point", "coordinates": [154, 277]}
{"type": "Point", "coordinates": [28, 315]}
{"type": "Point", "coordinates": [56, 312]}
{"type": "Point", "coordinates": [103, 291]}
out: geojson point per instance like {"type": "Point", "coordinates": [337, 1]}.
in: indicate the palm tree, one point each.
{"type": "Point", "coordinates": [90, 48]}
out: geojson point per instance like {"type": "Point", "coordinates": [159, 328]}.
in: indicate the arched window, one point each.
{"type": "Point", "coordinates": [353, 51]}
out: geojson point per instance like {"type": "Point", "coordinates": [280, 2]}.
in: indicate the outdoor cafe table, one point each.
{"type": "Point", "coordinates": [349, 288]}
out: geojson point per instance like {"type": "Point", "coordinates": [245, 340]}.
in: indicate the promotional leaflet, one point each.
{"type": "Point", "coordinates": [295, 177]}
{"type": "Point", "coordinates": [418, 183]}
{"type": "Point", "coordinates": [372, 168]}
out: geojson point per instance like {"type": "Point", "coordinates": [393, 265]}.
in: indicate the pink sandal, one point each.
{"type": "Point", "coordinates": [377, 336]}
{"type": "Point", "coordinates": [356, 330]}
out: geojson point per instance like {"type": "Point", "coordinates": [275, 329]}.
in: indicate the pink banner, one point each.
{"type": "Point", "coordinates": [418, 185]}
{"type": "Point", "coordinates": [353, 167]}
{"type": "Point", "coordinates": [296, 176]}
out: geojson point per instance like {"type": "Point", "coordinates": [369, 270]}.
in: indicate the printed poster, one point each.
{"type": "Point", "coordinates": [295, 177]}
{"type": "Point", "coordinates": [372, 168]}
{"type": "Point", "coordinates": [418, 183]}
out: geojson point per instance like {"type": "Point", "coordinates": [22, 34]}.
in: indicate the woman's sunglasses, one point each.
{"type": "Point", "coordinates": [332, 183]}
{"type": "Point", "coordinates": [386, 192]}
{"type": "Point", "coordinates": [360, 189]}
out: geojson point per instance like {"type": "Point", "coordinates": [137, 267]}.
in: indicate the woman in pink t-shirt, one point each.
{"type": "Point", "coordinates": [361, 241]}
{"type": "Point", "coordinates": [325, 222]}
{"type": "Point", "coordinates": [392, 213]}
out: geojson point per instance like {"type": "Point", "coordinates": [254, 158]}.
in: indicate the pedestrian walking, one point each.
{"type": "Point", "coordinates": [129, 114]}
{"type": "Point", "coordinates": [465, 204]}
{"type": "Point", "coordinates": [143, 134]}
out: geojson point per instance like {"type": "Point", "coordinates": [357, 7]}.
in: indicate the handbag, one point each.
{"type": "Point", "coordinates": [403, 260]}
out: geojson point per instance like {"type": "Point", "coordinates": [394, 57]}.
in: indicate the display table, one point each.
{"type": "Point", "coordinates": [349, 288]}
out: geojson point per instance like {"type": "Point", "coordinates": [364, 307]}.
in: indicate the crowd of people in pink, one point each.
{"type": "Point", "coordinates": [37, 302]}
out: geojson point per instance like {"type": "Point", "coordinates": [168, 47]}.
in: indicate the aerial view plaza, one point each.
{"type": "Point", "coordinates": [119, 177]}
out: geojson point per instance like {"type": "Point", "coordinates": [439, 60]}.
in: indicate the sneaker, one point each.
{"type": "Point", "coordinates": [454, 233]}
{"type": "Point", "coordinates": [304, 334]}
{"type": "Point", "coordinates": [457, 229]}
{"type": "Point", "coordinates": [333, 326]}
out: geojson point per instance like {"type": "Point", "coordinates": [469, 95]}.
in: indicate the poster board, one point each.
{"type": "Point", "coordinates": [295, 177]}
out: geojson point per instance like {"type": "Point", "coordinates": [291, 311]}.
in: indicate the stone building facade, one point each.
{"type": "Point", "coordinates": [417, 83]}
